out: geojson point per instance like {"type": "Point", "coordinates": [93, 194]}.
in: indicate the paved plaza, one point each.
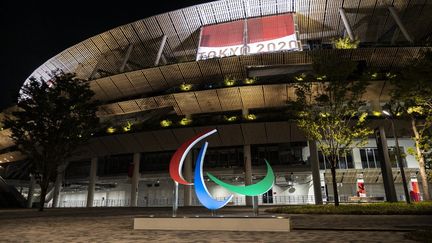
{"type": "Point", "coordinates": [115, 225]}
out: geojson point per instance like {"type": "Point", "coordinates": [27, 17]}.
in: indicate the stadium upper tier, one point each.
{"type": "Point", "coordinates": [161, 51]}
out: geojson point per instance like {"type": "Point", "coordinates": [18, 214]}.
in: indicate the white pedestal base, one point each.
{"type": "Point", "coordinates": [215, 223]}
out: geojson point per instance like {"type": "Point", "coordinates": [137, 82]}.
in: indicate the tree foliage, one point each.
{"type": "Point", "coordinates": [54, 117]}
{"type": "Point", "coordinates": [329, 110]}
{"type": "Point", "coordinates": [412, 94]}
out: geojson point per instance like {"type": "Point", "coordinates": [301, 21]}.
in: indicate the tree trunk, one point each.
{"type": "Point", "coordinates": [421, 162]}
{"type": "Point", "coordinates": [335, 190]}
{"type": "Point", "coordinates": [44, 188]}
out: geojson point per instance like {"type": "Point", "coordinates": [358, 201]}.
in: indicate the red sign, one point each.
{"type": "Point", "coordinates": [414, 190]}
{"type": "Point", "coordinates": [361, 191]}
{"type": "Point", "coordinates": [248, 36]}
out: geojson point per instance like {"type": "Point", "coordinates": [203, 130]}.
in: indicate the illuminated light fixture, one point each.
{"type": "Point", "coordinates": [321, 78]}
{"type": "Point", "coordinates": [127, 127]}
{"type": "Point", "coordinates": [166, 123]}
{"type": "Point", "coordinates": [185, 87]}
{"type": "Point", "coordinates": [111, 130]}
{"type": "Point", "coordinates": [399, 113]}
{"type": "Point", "coordinates": [250, 117]}
{"type": "Point", "coordinates": [250, 80]}
{"type": "Point", "coordinates": [231, 118]}
{"type": "Point", "coordinates": [301, 77]}
{"type": "Point", "coordinates": [345, 43]}
{"type": "Point", "coordinates": [229, 81]}
{"type": "Point", "coordinates": [79, 135]}
{"type": "Point", "coordinates": [303, 114]}
{"type": "Point", "coordinates": [377, 113]}
{"type": "Point", "coordinates": [374, 75]}
{"type": "Point", "coordinates": [387, 113]}
{"type": "Point", "coordinates": [185, 121]}
{"type": "Point", "coordinates": [324, 114]}
{"type": "Point", "coordinates": [390, 75]}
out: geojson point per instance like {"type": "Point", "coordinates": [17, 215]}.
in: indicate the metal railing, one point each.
{"type": "Point", "coordinates": [236, 201]}
{"type": "Point", "coordinates": [167, 202]}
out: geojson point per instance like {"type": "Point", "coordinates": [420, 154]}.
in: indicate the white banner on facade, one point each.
{"type": "Point", "coordinates": [250, 36]}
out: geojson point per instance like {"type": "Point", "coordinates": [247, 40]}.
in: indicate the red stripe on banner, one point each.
{"type": "Point", "coordinates": [219, 35]}
{"type": "Point", "coordinates": [259, 29]}
{"type": "Point", "coordinates": [269, 28]}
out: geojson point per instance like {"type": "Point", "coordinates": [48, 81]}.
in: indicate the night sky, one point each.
{"type": "Point", "coordinates": [34, 31]}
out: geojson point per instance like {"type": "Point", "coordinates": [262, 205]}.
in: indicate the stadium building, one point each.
{"type": "Point", "coordinates": [228, 65]}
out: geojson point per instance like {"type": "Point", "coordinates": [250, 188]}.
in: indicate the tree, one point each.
{"type": "Point", "coordinates": [329, 110]}
{"type": "Point", "coordinates": [54, 117]}
{"type": "Point", "coordinates": [412, 93]}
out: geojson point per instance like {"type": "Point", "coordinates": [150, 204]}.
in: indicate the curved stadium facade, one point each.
{"type": "Point", "coordinates": [228, 65]}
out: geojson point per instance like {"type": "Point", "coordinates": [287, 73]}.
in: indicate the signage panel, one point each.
{"type": "Point", "coordinates": [249, 36]}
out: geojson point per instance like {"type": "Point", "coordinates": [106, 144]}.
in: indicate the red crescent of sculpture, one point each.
{"type": "Point", "coordinates": [179, 156]}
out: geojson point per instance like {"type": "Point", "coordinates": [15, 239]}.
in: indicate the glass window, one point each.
{"type": "Point", "coordinates": [78, 169]}
{"type": "Point", "coordinates": [114, 164]}
{"type": "Point", "coordinates": [371, 159]}
{"type": "Point", "coordinates": [371, 156]}
{"type": "Point", "coordinates": [223, 157]}
{"type": "Point", "coordinates": [345, 161]}
{"type": "Point", "coordinates": [349, 160]}
{"type": "Point", "coordinates": [393, 160]}
{"type": "Point", "coordinates": [158, 161]}
{"type": "Point", "coordinates": [321, 161]}
{"type": "Point", "coordinates": [364, 159]}
{"type": "Point", "coordinates": [377, 158]}
{"type": "Point", "coordinates": [289, 154]}
{"type": "Point", "coordinates": [342, 162]}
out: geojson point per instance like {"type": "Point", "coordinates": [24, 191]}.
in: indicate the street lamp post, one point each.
{"type": "Point", "coordinates": [398, 157]}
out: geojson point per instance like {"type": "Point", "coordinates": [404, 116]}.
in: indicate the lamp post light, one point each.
{"type": "Point", "coordinates": [398, 156]}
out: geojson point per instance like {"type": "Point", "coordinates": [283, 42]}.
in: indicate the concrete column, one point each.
{"type": "Point", "coordinates": [248, 170]}
{"type": "Point", "coordinates": [57, 188]}
{"type": "Point", "coordinates": [135, 179]}
{"type": "Point", "coordinates": [386, 168]}
{"type": "Point", "coordinates": [92, 182]}
{"type": "Point", "coordinates": [401, 26]}
{"type": "Point", "coordinates": [187, 172]}
{"type": "Point", "coordinates": [346, 23]}
{"type": "Point", "coordinates": [315, 172]}
{"type": "Point", "coordinates": [30, 196]}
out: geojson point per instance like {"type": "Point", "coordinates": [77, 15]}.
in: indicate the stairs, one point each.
{"type": "Point", "coordinates": [10, 197]}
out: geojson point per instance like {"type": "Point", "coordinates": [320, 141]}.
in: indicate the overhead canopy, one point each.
{"type": "Point", "coordinates": [317, 20]}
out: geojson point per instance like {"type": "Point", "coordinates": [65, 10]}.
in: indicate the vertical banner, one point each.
{"type": "Point", "coordinates": [248, 36]}
{"type": "Point", "coordinates": [361, 191]}
{"type": "Point", "coordinates": [414, 189]}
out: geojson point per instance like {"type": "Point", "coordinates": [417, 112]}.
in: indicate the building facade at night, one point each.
{"type": "Point", "coordinates": [229, 65]}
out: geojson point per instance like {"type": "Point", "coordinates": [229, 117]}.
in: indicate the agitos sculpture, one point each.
{"type": "Point", "coordinates": [201, 191]}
